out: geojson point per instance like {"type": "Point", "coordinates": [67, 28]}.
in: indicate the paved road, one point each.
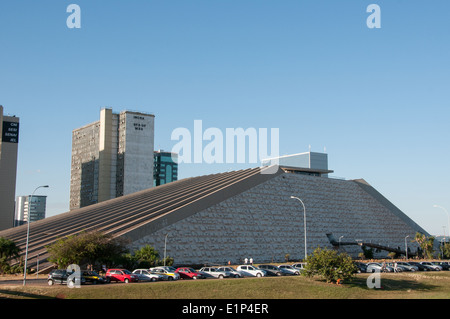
{"type": "Point", "coordinates": [18, 281]}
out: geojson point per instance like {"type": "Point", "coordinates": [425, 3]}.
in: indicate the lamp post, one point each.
{"type": "Point", "coordinates": [304, 222]}
{"type": "Point", "coordinates": [406, 248]}
{"type": "Point", "coordinates": [28, 232]}
{"type": "Point", "coordinates": [340, 241]}
{"type": "Point", "coordinates": [165, 245]}
{"type": "Point", "coordinates": [448, 216]}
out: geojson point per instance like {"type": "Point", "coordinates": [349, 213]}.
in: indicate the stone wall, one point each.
{"type": "Point", "coordinates": [264, 223]}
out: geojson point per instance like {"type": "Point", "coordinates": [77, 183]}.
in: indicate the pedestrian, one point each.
{"type": "Point", "coordinates": [245, 261]}
{"type": "Point", "coordinates": [251, 261]}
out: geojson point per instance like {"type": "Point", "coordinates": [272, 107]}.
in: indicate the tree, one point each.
{"type": "Point", "coordinates": [367, 251]}
{"type": "Point", "coordinates": [445, 250]}
{"type": "Point", "coordinates": [329, 265]}
{"type": "Point", "coordinates": [86, 248]}
{"type": "Point", "coordinates": [147, 256]}
{"type": "Point", "coordinates": [8, 250]}
{"type": "Point", "coordinates": [426, 244]}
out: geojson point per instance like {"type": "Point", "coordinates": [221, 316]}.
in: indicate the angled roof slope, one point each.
{"type": "Point", "coordinates": [390, 206]}
{"type": "Point", "coordinates": [136, 214]}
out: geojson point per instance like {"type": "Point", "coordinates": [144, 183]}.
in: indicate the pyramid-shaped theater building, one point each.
{"type": "Point", "coordinates": [226, 217]}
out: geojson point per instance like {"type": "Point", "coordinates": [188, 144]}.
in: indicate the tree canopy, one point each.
{"type": "Point", "coordinates": [86, 248]}
{"type": "Point", "coordinates": [329, 265]}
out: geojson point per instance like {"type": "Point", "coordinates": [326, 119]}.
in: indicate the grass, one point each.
{"type": "Point", "coordinates": [431, 285]}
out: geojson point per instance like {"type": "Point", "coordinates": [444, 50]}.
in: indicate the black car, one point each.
{"type": "Point", "coordinates": [93, 277]}
{"type": "Point", "coordinates": [419, 265]}
{"type": "Point", "coordinates": [61, 276]}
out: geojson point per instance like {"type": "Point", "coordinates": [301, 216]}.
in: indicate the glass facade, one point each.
{"type": "Point", "coordinates": [165, 168]}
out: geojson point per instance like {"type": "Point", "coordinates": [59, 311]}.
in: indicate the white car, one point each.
{"type": "Point", "coordinates": [214, 272]}
{"type": "Point", "coordinates": [146, 275]}
{"type": "Point", "coordinates": [250, 271]}
{"type": "Point", "coordinates": [431, 265]}
{"type": "Point", "coordinates": [233, 272]}
{"type": "Point", "coordinates": [291, 270]}
{"type": "Point", "coordinates": [299, 266]}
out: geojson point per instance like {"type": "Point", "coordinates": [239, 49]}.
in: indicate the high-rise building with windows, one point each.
{"type": "Point", "coordinates": [9, 139]}
{"type": "Point", "coordinates": [29, 212]}
{"type": "Point", "coordinates": [165, 167]}
{"type": "Point", "coordinates": [111, 157]}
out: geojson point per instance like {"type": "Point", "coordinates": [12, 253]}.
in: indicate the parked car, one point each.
{"type": "Point", "coordinates": [396, 268]}
{"type": "Point", "coordinates": [61, 276]}
{"type": "Point", "coordinates": [408, 266]}
{"type": "Point", "coordinates": [188, 273]}
{"type": "Point", "coordinates": [361, 267]}
{"type": "Point", "coordinates": [233, 272]}
{"type": "Point", "coordinates": [299, 266]}
{"type": "Point", "coordinates": [250, 271]}
{"type": "Point", "coordinates": [93, 277]}
{"type": "Point", "coordinates": [374, 267]}
{"type": "Point", "coordinates": [431, 265]}
{"type": "Point", "coordinates": [213, 272]}
{"type": "Point", "coordinates": [420, 266]}
{"type": "Point", "coordinates": [166, 272]}
{"type": "Point", "coordinates": [289, 269]}
{"type": "Point", "coordinates": [273, 270]}
{"type": "Point", "coordinates": [122, 275]}
{"type": "Point", "coordinates": [146, 275]}
{"type": "Point", "coordinates": [444, 265]}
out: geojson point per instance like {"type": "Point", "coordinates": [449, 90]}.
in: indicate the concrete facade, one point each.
{"type": "Point", "coordinates": [266, 224]}
{"type": "Point", "coordinates": [9, 139]}
{"type": "Point", "coordinates": [111, 157]}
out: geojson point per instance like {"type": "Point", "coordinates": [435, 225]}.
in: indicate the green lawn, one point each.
{"type": "Point", "coordinates": [420, 285]}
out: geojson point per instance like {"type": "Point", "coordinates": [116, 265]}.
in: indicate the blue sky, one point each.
{"type": "Point", "coordinates": [376, 99]}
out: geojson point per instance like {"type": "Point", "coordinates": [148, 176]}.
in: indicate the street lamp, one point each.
{"type": "Point", "coordinates": [28, 232]}
{"type": "Point", "coordinates": [304, 222]}
{"type": "Point", "coordinates": [340, 241]}
{"type": "Point", "coordinates": [448, 215]}
{"type": "Point", "coordinates": [165, 245]}
{"type": "Point", "coordinates": [406, 248]}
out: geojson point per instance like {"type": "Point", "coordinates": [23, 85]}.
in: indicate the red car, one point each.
{"type": "Point", "coordinates": [188, 273]}
{"type": "Point", "coordinates": [122, 275]}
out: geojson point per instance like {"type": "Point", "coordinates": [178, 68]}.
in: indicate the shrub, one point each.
{"type": "Point", "coordinates": [329, 265]}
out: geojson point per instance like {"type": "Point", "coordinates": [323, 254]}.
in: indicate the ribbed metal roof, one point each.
{"type": "Point", "coordinates": [133, 215]}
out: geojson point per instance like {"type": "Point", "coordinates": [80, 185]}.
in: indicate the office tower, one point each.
{"type": "Point", "coordinates": [26, 212]}
{"type": "Point", "coordinates": [111, 157]}
{"type": "Point", "coordinates": [9, 128]}
{"type": "Point", "coordinates": [165, 167]}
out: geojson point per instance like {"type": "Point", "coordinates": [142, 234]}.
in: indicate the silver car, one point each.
{"type": "Point", "coordinates": [431, 265]}
{"type": "Point", "coordinates": [377, 267]}
{"type": "Point", "coordinates": [233, 272]}
{"type": "Point", "coordinates": [407, 266]}
{"type": "Point", "coordinates": [213, 272]}
{"type": "Point", "coordinates": [146, 275]}
{"type": "Point", "coordinates": [291, 270]}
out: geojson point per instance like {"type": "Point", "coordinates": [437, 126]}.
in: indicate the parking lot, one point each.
{"type": "Point", "coordinates": [235, 272]}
